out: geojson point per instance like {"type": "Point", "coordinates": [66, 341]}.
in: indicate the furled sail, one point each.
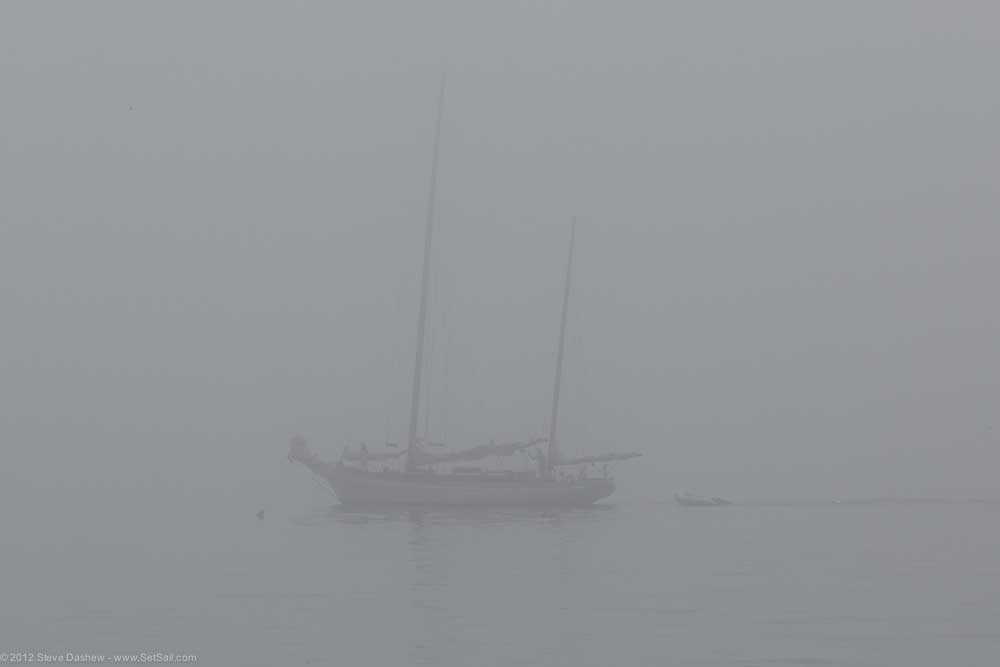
{"type": "Point", "coordinates": [600, 458]}
{"type": "Point", "coordinates": [422, 457]}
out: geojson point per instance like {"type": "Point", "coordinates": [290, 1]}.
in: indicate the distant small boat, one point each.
{"type": "Point", "coordinates": [691, 500]}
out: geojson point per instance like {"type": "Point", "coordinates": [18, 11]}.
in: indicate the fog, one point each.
{"type": "Point", "coordinates": [211, 225]}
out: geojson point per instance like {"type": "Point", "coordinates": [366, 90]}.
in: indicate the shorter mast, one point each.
{"type": "Point", "coordinates": [554, 420]}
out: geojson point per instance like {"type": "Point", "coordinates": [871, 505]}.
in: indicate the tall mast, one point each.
{"type": "Point", "coordinates": [553, 422]}
{"type": "Point", "coordinates": [425, 279]}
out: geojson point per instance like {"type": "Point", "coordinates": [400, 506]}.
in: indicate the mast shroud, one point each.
{"type": "Point", "coordinates": [411, 445]}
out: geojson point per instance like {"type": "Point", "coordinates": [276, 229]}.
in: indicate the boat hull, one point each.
{"type": "Point", "coordinates": [354, 486]}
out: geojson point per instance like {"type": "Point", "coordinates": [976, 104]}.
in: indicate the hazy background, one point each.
{"type": "Point", "coordinates": [211, 218]}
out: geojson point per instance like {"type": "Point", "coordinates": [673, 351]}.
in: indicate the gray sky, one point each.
{"type": "Point", "coordinates": [211, 218]}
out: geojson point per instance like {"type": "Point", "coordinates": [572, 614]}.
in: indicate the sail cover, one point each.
{"type": "Point", "coordinates": [474, 453]}
{"type": "Point", "coordinates": [600, 458]}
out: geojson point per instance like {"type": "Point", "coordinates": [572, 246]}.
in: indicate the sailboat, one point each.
{"type": "Point", "coordinates": [418, 483]}
{"type": "Point", "coordinates": [686, 499]}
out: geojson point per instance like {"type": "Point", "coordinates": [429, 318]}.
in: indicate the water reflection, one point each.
{"type": "Point", "coordinates": [464, 575]}
{"type": "Point", "coordinates": [650, 582]}
{"type": "Point", "coordinates": [478, 516]}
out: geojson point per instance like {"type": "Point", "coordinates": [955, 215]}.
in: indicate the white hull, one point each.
{"type": "Point", "coordinates": [358, 487]}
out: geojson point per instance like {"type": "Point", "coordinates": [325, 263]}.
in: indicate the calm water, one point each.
{"type": "Point", "coordinates": [637, 583]}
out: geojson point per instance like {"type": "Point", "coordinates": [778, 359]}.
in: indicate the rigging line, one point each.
{"type": "Point", "coordinates": [396, 366]}
{"type": "Point", "coordinates": [429, 368]}
{"type": "Point", "coordinates": [428, 386]}
{"type": "Point", "coordinates": [554, 420]}
{"type": "Point", "coordinates": [446, 397]}
{"type": "Point", "coordinates": [316, 480]}
{"type": "Point", "coordinates": [422, 317]}
{"type": "Point", "coordinates": [434, 334]}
